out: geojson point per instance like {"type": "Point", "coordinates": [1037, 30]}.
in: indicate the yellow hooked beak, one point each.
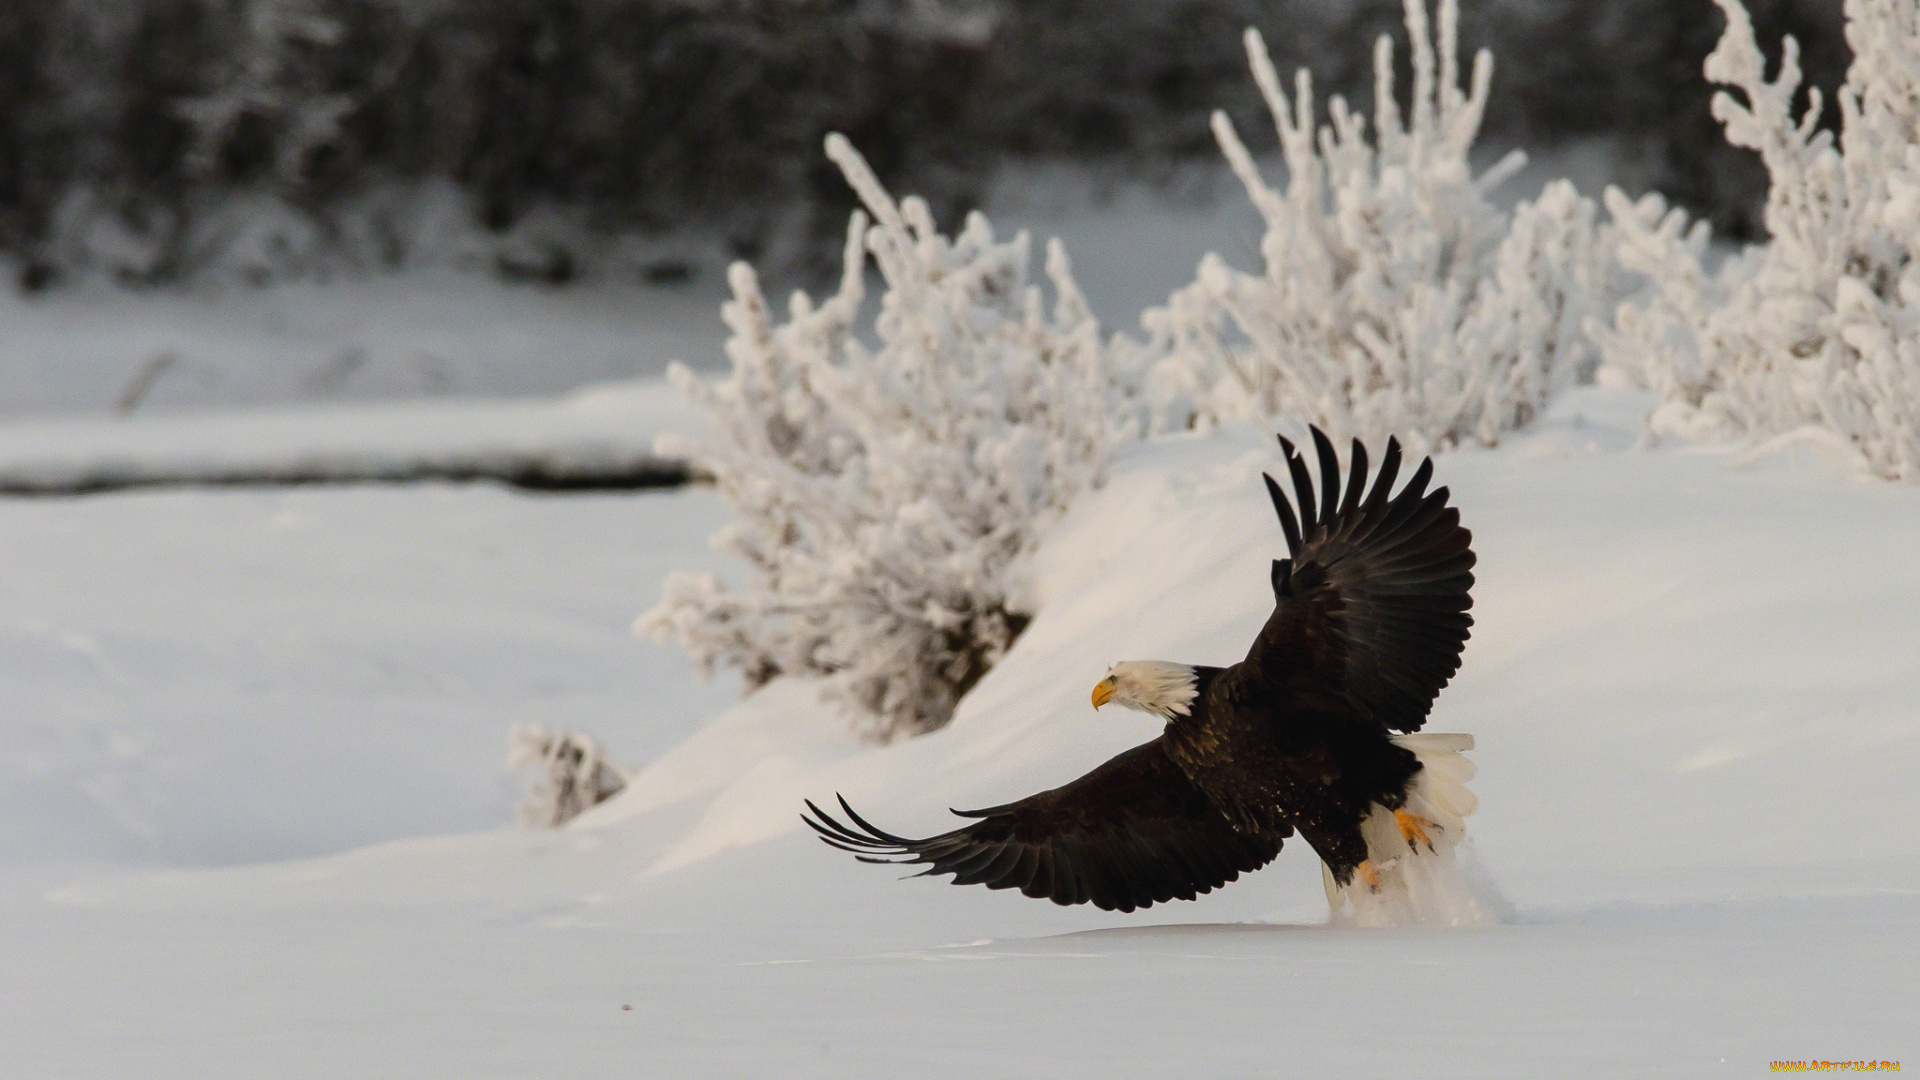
{"type": "Point", "coordinates": [1102, 692]}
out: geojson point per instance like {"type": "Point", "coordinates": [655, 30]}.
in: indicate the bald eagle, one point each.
{"type": "Point", "coordinates": [1313, 732]}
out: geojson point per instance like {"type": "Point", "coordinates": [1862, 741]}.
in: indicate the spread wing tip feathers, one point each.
{"type": "Point", "coordinates": [866, 841]}
{"type": "Point", "coordinates": [1375, 518]}
{"type": "Point", "coordinates": [1314, 517]}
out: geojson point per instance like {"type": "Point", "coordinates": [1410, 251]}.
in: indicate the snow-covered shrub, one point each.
{"type": "Point", "coordinates": [889, 497]}
{"type": "Point", "coordinates": [578, 774]}
{"type": "Point", "coordinates": [1820, 327]}
{"type": "Point", "coordinates": [1396, 298]}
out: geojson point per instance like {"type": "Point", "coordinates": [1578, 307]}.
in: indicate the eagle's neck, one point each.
{"type": "Point", "coordinates": [1155, 686]}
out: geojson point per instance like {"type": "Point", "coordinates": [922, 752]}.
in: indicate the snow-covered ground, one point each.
{"type": "Point", "coordinates": [219, 677]}
{"type": "Point", "coordinates": [1693, 681]}
{"type": "Point", "coordinates": [603, 429]}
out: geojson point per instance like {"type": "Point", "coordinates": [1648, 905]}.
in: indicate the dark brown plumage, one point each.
{"type": "Point", "coordinates": [1369, 621]}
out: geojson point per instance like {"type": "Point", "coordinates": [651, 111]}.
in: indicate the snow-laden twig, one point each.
{"type": "Point", "coordinates": [1396, 298]}
{"type": "Point", "coordinates": [890, 497]}
{"type": "Point", "coordinates": [1820, 327]}
{"type": "Point", "coordinates": [578, 774]}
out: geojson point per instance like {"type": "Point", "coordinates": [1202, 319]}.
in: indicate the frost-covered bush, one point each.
{"type": "Point", "coordinates": [1820, 327]}
{"type": "Point", "coordinates": [889, 496]}
{"type": "Point", "coordinates": [1396, 298]}
{"type": "Point", "coordinates": [578, 774]}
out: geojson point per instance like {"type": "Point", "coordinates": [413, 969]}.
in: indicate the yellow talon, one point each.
{"type": "Point", "coordinates": [1413, 829]}
{"type": "Point", "coordinates": [1369, 875]}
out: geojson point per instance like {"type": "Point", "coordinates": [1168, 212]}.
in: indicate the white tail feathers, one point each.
{"type": "Point", "coordinates": [1422, 885]}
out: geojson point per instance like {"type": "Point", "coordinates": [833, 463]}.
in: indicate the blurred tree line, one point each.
{"type": "Point", "coordinates": [127, 126]}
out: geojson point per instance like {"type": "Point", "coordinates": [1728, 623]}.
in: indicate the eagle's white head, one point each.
{"type": "Point", "coordinates": [1153, 686]}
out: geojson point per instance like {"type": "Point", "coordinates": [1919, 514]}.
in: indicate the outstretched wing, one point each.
{"type": "Point", "coordinates": [1132, 833]}
{"type": "Point", "coordinates": [1370, 613]}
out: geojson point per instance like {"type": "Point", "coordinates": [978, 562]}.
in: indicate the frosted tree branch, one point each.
{"type": "Point", "coordinates": [1395, 298]}
{"type": "Point", "coordinates": [1820, 328]}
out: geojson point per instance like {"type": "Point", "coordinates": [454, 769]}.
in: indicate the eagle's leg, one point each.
{"type": "Point", "coordinates": [1369, 874]}
{"type": "Point", "coordinates": [1413, 829]}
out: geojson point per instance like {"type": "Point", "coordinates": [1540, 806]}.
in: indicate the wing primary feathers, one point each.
{"type": "Point", "coordinates": [1416, 488]}
{"type": "Point", "coordinates": [1389, 471]}
{"type": "Point", "coordinates": [1356, 480]}
{"type": "Point", "coordinates": [1411, 500]}
{"type": "Point", "coordinates": [840, 836]}
{"type": "Point", "coordinates": [965, 866]}
{"type": "Point", "coordinates": [1303, 488]}
{"type": "Point", "coordinates": [863, 823]}
{"type": "Point", "coordinates": [1280, 506]}
{"type": "Point", "coordinates": [986, 871]}
{"type": "Point", "coordinates": [835, 842]}
{"type": "Point", "coordinates": [833, 824]}
{"type": "Point", "coordinates": [1329, 476]}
